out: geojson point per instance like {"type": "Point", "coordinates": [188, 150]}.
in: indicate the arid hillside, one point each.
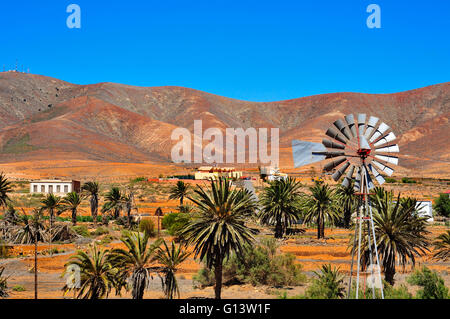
{"type": "Point", "coordinates": [45, 119]}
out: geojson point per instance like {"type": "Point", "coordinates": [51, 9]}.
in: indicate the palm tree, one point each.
{"type": "Point", "coordinates": [5, 188]}
{"type": "Point", "coordinates": [92, 190]}
{"type": "Point", "coordinates": [280, 205]}
{"type": "Point", "coordinates": [97, 276]}
{"type": "Point", "coordinates": [71, 202]}
{"type": "Point", "coordinates": [320, 207]}
{"type": "Point", "coordinates": [135, 262]}
{"type": "Point", "coordinates": [33, 230]}
{"type": "Point", "coordinates": [218, 229]}
{"type": "Point", "coordinates": [399, 231]}
{"type": "Point", "coordinates": [442, 246]}
{"type": "Point", "coordinates": [52, 204]}
{"type": "Point", "coordinates": [113, 202]}
{"type": "Point", "coordinates": [170, 259]}
{"type": "Point", "coordinates": [179, 191]}
{"type": "Point", "coordinates": [348, 201]}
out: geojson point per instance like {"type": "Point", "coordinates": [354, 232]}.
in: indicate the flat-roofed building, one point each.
{"type": "Point", "coordinates": [210, 172]}
{"type": "Point", "coordinates": [55, 186]}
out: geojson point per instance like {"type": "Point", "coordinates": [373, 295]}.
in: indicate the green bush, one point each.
{"type": "Point", "coordinates": [203, 278]}
{"type": "Point", "coordinates": [100, 231]}
{"type": "Point", "coordinates": [18, 288]}
{"type": "Point", "coordinates": [147, 226]}
{"type": "Point", "coordinates": [390, 180]}
{"type": "Point", "coordinates": [107, 240]}
{"type": "Point", "coordinates": [407, 180]}
{"type": "Point", "coordinates": [174, 222]}
{"type": "Point", "coordinates": [433, 286]}
{"type": "Point", "coordinates": [442, 205]}
{"type": "Point", "coordinates": [138, 179]}
{"type": "Point", "coordinates": [396, 293]}
{"type": "Point", "coordinates": [81, 230]}
{"type": "Point", "coordinates": [259, 265]}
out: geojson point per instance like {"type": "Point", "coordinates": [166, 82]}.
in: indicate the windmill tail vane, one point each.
{"type": "Point", "coordinates": [356, 149]}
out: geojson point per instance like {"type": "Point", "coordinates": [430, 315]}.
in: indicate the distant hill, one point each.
{"type": "Point", "coordinates": [44, 118]}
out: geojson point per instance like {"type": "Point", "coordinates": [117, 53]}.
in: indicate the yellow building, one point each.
{"type": "Point", "coordinates": [210, 172]}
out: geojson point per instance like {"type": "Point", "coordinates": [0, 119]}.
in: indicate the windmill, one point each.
{"type": "Point", "coordinates": [356, 149]}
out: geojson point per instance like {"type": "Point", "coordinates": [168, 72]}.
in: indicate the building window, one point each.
{"type": "Point", "coordinates": [58, 188]}
{"type": "Point", "coordinates": [66, 188]}
{"type": "Point", "coordinates": [50, 189]}
{"type": "Point", "coordinates": [35, 189]}
{"type": "Point", "coordinates": [42, 188]}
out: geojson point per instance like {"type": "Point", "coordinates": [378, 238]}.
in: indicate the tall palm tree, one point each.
{"type": "Point", "coordinates": [179, 191]}
{"type": "Point", "coordinates": [135, 262]}
{"type": "Point", "coordinates": [218, 229]}
{"type": "Point", "coordinates": [320, 207]}
{"type": "Point", "coordinates": [400, 233]}
{"type": "Point", "coordinates": [97, 276]}
{"type": "Point", "coordinates": [170, 259]}
{"type": "Point", "coordinates": [92, 189]}
{"type": "Point", "coordinates": [280, 205]}
{"type": "Point", "coordinates": [113, 202]}
{"type": "Point", "coordinates": [5, 188]}
{"type": "Point", "coordinates": [348, 201]}
{"type": "Point", "coordinates": [52, 204]}
{"type": "Point", "coordinates": [71, 202]}
{"type": "Point", "coordinates": [442, 246]}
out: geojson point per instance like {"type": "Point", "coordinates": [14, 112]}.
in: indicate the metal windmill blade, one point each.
{"type": "Point", "coordinates": [350, 119]}
{"type": "Point", "coordinates": [370, 126]}
{"type": "Point", "coordinates": [361, 124]}
{"type": "Point", "coordinates": [380, 130]}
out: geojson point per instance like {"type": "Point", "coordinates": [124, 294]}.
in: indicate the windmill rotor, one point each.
{"type": "Point", "coordinates": [354, 146]}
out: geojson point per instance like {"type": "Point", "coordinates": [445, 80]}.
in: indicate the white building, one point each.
{"type": "Point", "coordinates": [54, 186]}
{"type": "Point", "coordinates": [272, 173]}
{"type": "Point", "coordinates": [425, 209]}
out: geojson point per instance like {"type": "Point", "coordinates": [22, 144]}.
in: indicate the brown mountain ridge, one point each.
{"type": "Point", "coordinates": [45, 119]}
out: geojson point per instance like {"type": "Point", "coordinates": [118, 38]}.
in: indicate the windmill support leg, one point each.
{"type": "Point", "coordinates": [358, 268]}
{"type": "Point", "coordinates": [376, 250]}
{"type": "Point", "coordinates": [370, 256]}
{"type": "Point", "coordinates": [353, 258]}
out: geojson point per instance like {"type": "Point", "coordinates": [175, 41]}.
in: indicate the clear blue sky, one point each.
{"type": "Point", "coordinates": [250, 50]}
